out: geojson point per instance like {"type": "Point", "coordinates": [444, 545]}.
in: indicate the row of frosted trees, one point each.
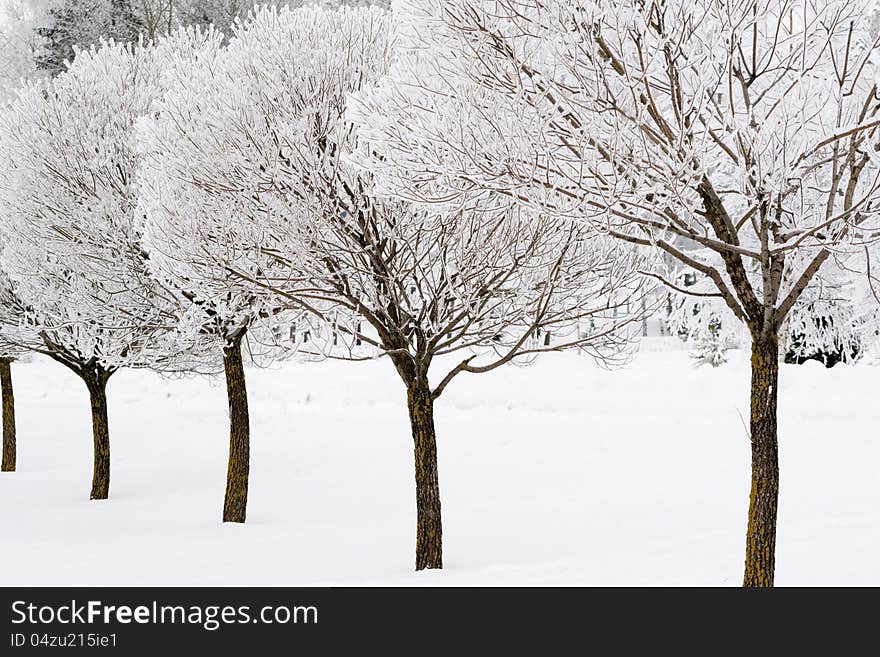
{"type": "Point", "coordinates": [192, 204]}
{"type": "Point", "coordinates": [451, 186]}
{"type": "Point", "coordinates": [737, 137]}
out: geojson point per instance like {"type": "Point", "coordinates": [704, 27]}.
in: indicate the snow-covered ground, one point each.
{"type": "Point", "coordinates": [557, 474]}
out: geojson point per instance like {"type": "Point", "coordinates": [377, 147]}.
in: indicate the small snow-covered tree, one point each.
{"type": "Point", "coordinates": [253, 147]}
{"type": "Point", "coordinates": [700, 320]}
{"type": "Point", "coordinates": [710, 340]}
{"type": "Point", "coordinates": [737, 136]}
{"type": "Point", "coordinates": [71, 243]}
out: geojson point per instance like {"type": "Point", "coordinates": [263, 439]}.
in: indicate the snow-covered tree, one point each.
{"type": "Point", "coordinates": [83, 23]}
{"type": "Point", "coordinates": [71, 244]}
{"type": "Point", "coordinates": [249, 151]}
{"type": "Point", "coordinates": [19, 43]}
{"type": "Point", "coordinates": [709, 336]}
{"type": "Point", "coordinates": [199, 234]}
{"type": "Point", "coordinates": [467, 292]}
{"type": "Point", "coordinates": [737, 136]}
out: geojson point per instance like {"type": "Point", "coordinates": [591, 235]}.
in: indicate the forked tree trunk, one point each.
{"type": "Point", "coordinates": [763, 498]}
{"type": "Point", "coordinates": [9, 448]}
{"type": "Point", "coordinates": [96, 382]}
{"type": "Point", "coordinates": [235, 503]}
{"type": "Point", "coordinates": [429, 530]}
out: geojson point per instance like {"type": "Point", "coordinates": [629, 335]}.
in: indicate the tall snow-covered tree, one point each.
{"type": "Point", "coordinates": [194, 237]}
{"type": "Point", "coordinates": [737, 136]}
{"type": "Point", "coordinates": [252, 148]}
{"type": "Point", "coordinates": [70, 237]}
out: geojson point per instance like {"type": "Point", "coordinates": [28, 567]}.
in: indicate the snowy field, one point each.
{"type": "Point", "coordinates": [558, 474]}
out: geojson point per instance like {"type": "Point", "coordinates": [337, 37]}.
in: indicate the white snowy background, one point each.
{"type": "Point", "coordinates": [561, 473]}
{"type": "Point", "coordinates": [557, 474]}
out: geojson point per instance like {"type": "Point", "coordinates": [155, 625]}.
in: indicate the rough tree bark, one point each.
{"type": "Point", "coordinates": [9, 447]}
{"type": "Point", "coordinates": [235, 503]}
{"type": "Point", "coordinates": [763, 499]}
{"type": "Point", "coordinates": [429, 530]}
{"type": "Point", "coordinates": [96, 378]}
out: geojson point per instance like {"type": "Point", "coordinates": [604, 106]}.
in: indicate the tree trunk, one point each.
{"type": "Point", "coordinates": [764, 495]}
{"type": "Point", "coordinates": [235, 503]}
{"type": "Point", "coordinates": [8, 415]}
{"type": "Point", "coordinates": [96, 381]}
{"type": "Point", "coordinates": [429, 531]}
